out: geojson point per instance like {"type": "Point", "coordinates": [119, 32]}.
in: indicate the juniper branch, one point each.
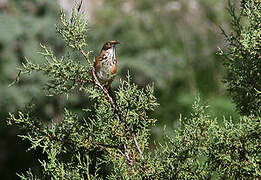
{"type": "Point", "coordinates": [113, 105]}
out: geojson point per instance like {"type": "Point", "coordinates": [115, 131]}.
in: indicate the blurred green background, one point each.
{"type": "Point", "coordinates": [169, 43]}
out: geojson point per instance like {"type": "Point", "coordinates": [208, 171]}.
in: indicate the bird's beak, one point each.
{"type": "Point", "coordinates": [116, 42]}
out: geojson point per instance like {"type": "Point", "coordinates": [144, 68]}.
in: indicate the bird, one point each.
{"type": "Point", "coordinates": [106, 64]}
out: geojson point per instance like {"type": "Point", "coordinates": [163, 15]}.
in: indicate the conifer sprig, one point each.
{"type": "Point", "coordinates": [242, 58]}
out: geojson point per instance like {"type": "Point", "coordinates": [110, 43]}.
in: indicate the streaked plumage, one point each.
{"type": "Point", "coordinates": [106, 63]}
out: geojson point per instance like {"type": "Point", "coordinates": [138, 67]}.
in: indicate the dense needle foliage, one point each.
{"type": "Point", "coordinates": [242, 58]}
{"type": "Point", "coordinates": [113, 143]}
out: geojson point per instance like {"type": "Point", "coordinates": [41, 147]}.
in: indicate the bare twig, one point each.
{"type": "Point", "coordinates": [105, 91]}
{"type": "Point", "coordinates": [137, 145]}
{"type": "Point", "coordinates": [134, 138]}
{"type": "Point", "coordinates": [16, 79]}
{"type": "Point", "coordinates": [79, 7]}
{"type": "Point", "coordinates": [130, 162]}
{"type": "Point", "coordinates": [84, 54]}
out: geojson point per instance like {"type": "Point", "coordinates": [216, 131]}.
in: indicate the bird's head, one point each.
{"type": "Point", "coordinates": [110, 44]}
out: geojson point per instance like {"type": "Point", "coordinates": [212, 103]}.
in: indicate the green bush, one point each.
{"type": "Point", "coordinates": [110, 138]}
{"type": "Point", "coordinates": [202, 149]}
{"type": "Point", "coordinates": [242, 58]}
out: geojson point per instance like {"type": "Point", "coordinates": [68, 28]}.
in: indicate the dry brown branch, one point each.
{"type": "Point", "coordinates": [137, 145]}
{"type": "Point", "coordinates": [84, 54]}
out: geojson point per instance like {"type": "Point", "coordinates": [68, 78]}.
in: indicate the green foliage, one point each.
{"type": "Point", "coordinates": [243, 57]}
{"type": "Point", "coordinates": [24, 25]}
{"type": "Point", "coordinates": [121, 137]}
{"type": "Point", "coordinates": [202, 149]}
{"type": "Point", "coordinates": [73, 32]}
{"type": "Point", "coordinates": [65, 74]}
{"type": "Point", "coordinates": [235, 149]}
{"type": "Point", "coordinates": [109, 139]}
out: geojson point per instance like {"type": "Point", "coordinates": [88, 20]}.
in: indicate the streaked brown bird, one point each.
{"type": "Point", "coordinates": [106, 63]}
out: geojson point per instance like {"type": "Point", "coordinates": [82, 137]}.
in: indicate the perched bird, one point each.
{"type": "Point", "coordinates": [106, 63]}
